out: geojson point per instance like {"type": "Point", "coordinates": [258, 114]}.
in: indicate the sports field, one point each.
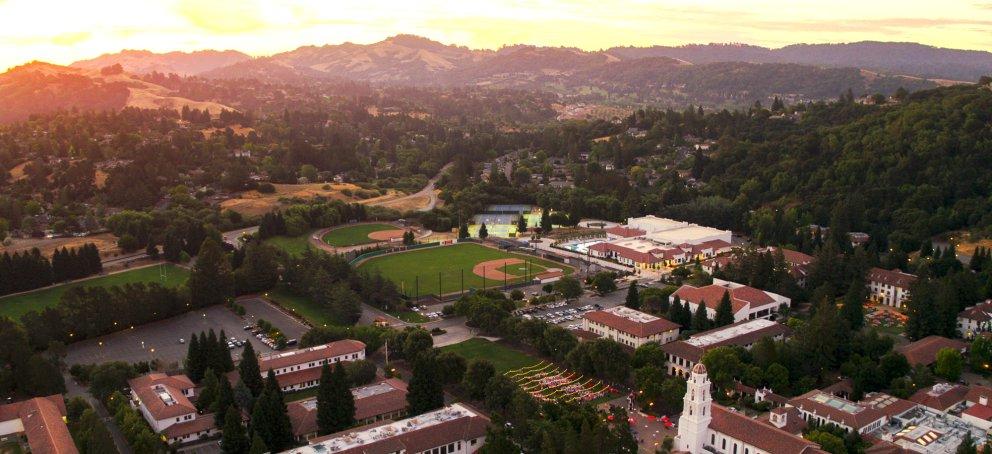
{"type": "Point", "coordinates": [17, 305]}
{"type": "Point", "coordinates": [356, 234]}
{"type": "Point", "coordinates": [453, 264]}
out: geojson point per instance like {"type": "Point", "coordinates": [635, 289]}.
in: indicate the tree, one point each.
{"type": "Point", "coordinates": [521, 225]}
{"type": "Point", "coordinates": [603, 282]}
{"type": "Point", "coordinates": [724, 311]}
{"type": "Point", "coordinates": [234, 440]}
{"type": "Point", "coordinates": [700, 320]}
{"type": "Point", "coordinates": [335, 403]}
{"type": "Point", "coordinates": [569, 287]}
{"type": "Point", "coordinates": [453, 366]}
{"type": "Point", "coordinates": [269, 418]}
{"type": "Point", "coordinates": [424, 392]}
{"type": "Point", "coordinates": [949, 364]}
{"type": "Point", "coordinates": [210, 389]}
{"type": "Point", "coordinates": [483, 231]}
{"type": "Point", "coordinates": [210, 281]}
{"type": "Point", "coordinates": [967, 445]}
{"type": "Point", "coordinates": [258, 445]}
{"type": "Point", "coordinates": [828, 441]}
{"type": "Point", "coordinates": [476, 377]}
{"type": "Point", "coordinates": [852, 309]}
{"type": "Point", "coordinates": [224, 400]}
{"type": "Point", "coordinates": [633, 301]}
{"type": "Point", "coordinates": [545, 222]}
{"type": "Point", "coordinates": [417, 341]}
{"type": "Point", "coordinates": [980, 354]}
{"type": "Point", "coordinates": [91, 434]}
{"type": "Point", "coordinates": [259, 271]}
{"type": "Point", "coordinates": [248, 370]}
{"type": "Point", "coordinates": [463, 231]}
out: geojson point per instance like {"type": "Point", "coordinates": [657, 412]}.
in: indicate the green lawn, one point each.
{"type": "Point", "coordinates": [301, 394]}
{"type": "Point", "coordinates": [355, 234]}
{"type": "Point", "coordinates": [450, 264]}
{"type": "Point", "coordinates": [292, 245]}
{"type": "Point", "coordinates": [302, 306]}
{"type": "Point", "coordinates": [18, 305]}
{"type": "Point", "coordinates": [503, 358]}
{"type": "Point", "coordinates": [409, 316]}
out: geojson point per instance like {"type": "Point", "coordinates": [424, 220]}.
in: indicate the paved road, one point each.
{"type": "Point", "coordinates": [74, 389]}
{"type": "Point", "coordinates": [427, 191]}
{"type": "Point", "coordinates": [234, 236]}
{"type": "Point", "coordinates": [160, 340]}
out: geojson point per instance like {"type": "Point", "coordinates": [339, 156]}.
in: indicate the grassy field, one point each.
{"type": "Point", "coordinates": [302, 306]}
{"type": "Point", "coordinates": [293, 245]}
{"type": "Point", "coordinates": [451, 263]}
{"type": "Point", "coordinates": [17, 305]}
{"type": "Point", "coordinates": [503, 358]}
{"type": "Point", "coordinates": [355, 234]}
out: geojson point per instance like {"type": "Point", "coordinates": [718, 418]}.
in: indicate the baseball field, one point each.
{"type": "Point", "coordinates": [449, 269]}
{"type": "Point", "coordinates": [354, 235]}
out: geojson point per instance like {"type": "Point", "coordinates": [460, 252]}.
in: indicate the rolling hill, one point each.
{"type": "Point", "coordinates": [181, 63]}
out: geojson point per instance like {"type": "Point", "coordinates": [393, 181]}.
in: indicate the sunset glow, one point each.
{"type": "Point", "coordinates": [63, 31]}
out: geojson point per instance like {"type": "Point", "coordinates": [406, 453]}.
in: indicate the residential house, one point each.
{"type": "Point", "coordinates": [164, 401]}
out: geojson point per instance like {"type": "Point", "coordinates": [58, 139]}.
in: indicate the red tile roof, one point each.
{"type": "Point", "coordinates": [793, 257]}
{"type": "Point", "coordinates": [298, 377]}
{"type": "Point", "coordinates": [860, 416]}
{"type": "Point", "coordinates": [44, 427]}
{"type": "Point", "coordinates": [626, 232]}
{"type": "Point", "coordinates": [146, 387]}
{"type": "Point", "coordinates": [311, 354]}
{"type": "Point", "coordinates": [201, 423]}
{"type": "Point", "coordinates": [694, 353]}
{"type": "Point", "coordinates": [940, 396]}
{"type": "Point", "coordinates": [631, 327]}
{"type": "Point", "coordinates": [979, 411]}
{"type": "Point", "coordinates": [977, 392]}
{"type": "Point", "coordinates": [894, 278]}
{"type": "Point", "coordinates": [304, 419]}
{"type": "Point", "coordinates": [465, 428]}
{"type": "Point", "coordinates": [981, 312]}
{"type": "Point", "coordinates": [756, 433]}
{"type": "Point", "coordinates": [740, 297]}
{"type": "Point", "coordinates": [924, 351]}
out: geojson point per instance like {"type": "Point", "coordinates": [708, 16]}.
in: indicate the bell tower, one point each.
{"type": "Point", "coordinates": [695, 420]}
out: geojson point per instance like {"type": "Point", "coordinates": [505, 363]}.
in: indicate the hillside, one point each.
{"type": "Point", "coordinates": [181, 63]}
{"type": "Point", "coordinates": [893, 58]}
{"type": "Point", "coordinates": [42, 87]}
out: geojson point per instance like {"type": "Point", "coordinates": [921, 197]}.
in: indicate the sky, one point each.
{"type": "Point", "coordinates": [63, 31]}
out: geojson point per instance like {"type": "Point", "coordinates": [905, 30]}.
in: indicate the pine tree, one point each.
{"type": "Point", "coordinates": [211, 281]}
{"type": "Point", "coordinates": [224, 400]}
{"type": "Point", "coordinates": [234, 441]}
{"type": "Point", "coordinates": [633, 300]}
{"type": "Point", "coordinates": [724, 311]}
{"type": "Point", "coordinates": [194, 359]}
{"type": "Point", "coordinates": [852, 309]}
{"type": "Point", "coordinates": [700, 321]}
{"type": "Point", "coordinates": [521, 225]}
{"type": "Point", "coordinates": [335, 403]}
{"type": "Point", "coordinates": [210, 389]}
{"type": "Point", "coordinates": [224, 354]}
{"type": "Point", "coordinates": [483, 231]}
{"type": "Point", "coordinates": [258, 445]}
{"type": "Point", "coordinates": [463, 231]}
{"type": "Point", "coordinates": [686, 314]}
{"type": "Point", "coordinates": [248, 370]}
{"type": "Point", "coordinates": [269, 418]}
{"type": "Point", "coordinates": [211, 353]}
{"type": "Point", "coordinates": [545, 222]}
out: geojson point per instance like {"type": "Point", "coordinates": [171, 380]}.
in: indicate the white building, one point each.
{"type": "Point", "coordinates": [705, 427]}
{"type": "Point", "coordinates": [746, 302]}
{"type": "Point", "coordinates": [975, 319]}
{"type": "Point", "coordinates": [300, 369]}
{"type": "Point", "coordinates": [164, 402]}
{"type": "Point", "coordinates": [629, 327]}
{"type": "Point", "coordinates": [683, 355]}
{"type": "Point", "coordinates": [889, 287]}
{"type": "Point", "coordinates": [455, 429]}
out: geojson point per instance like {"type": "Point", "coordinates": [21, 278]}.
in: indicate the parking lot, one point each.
{"type": "Point", "coordinates": [562, 313]}
{"type": "Point", "coordinates": [161, 339]}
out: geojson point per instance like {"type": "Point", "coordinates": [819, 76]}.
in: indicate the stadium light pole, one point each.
{"type": "Point", "coordinates": [463, 280]}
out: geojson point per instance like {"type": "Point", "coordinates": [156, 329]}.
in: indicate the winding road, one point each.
{"type": "Point", "coordinates": [428, 191]}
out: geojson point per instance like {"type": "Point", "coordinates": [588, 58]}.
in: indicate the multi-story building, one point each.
{"type": "Point", "coordinates": [924, 351]}
{"type": "Point", "coordinates": [889, 287]}
{"type": "Point", "coordinates": [385, 400]}
{"type": "Point", "coordinates": [37, 424]}
{"type": "Point", "coordinates": [975, 319]}
{"type": "Point", "coordinates": [300, 369]}
{"type": "Point", "coordinates": [650, 242]}
{"type": "Point", "coordinates": [629, 327]}
{"type": "Point", "coordinates": [862, 417]}
{"type": "Point", "coordinates": [164, 401]}
{"type": "Point", "coordinates": [455, 429]}
{"type": "Point", "coordinates": [747, 302]}
{"type": "Point", "coordinates": [684, 354]}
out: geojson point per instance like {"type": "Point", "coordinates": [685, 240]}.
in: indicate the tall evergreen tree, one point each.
{"type": "Point", "coordinates": [700, 321]}
{"type": "Point", "coordinates": [463, 231]}
{"type": "Point", "coordinates": [269, 418]}
{"type": "Point", "coordinates": [194, 359]}
{"type": "Point", "coordinates": [234, 441]}
{"type": "Point", "coordinates": [545, 221]}
{"type": "Point", "coordinates": [483, 231]}
{"type": "Point", "coordinates": [211, 351]}
{"type": "Point", "coordinates": [209, 390]}
{"type": "Point", "coordinates": [521, 225]}
{"type": "Point", "coordinates": [258, 445]}
{"type": "Point", "coordinates": [224, 400]}
{"type": "Point", "coordinates": [633, 300]}
{"type": "Point", "coordinates": [852, 309]}
{"type": "Point", "coordinates": [224, 361]}
{"type": "Point", "coordinates": [210, 281]}
{"type": "Point", "coordinates": [248, 370]}
{"type": "Point", "coordinates": [335, 403]}
{"type": "Point", "coordinates": [724, 311]}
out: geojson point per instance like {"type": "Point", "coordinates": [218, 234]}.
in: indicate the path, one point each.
{"type": "Point", "coordinates": [428, 191]}
{"type": "Point", "coordinates": [74, 389]}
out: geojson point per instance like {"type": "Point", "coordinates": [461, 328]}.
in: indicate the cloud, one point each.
{"type": "Point", "coordinates": [223, 16]}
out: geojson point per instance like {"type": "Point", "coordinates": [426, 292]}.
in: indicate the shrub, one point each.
{"type": "Point", "coordinates": [266, 188]}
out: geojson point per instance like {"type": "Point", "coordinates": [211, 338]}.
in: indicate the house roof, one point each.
{"type": "Point", "coordinates": [163, 395]}
{"type": "Point", "coordinates": [894, 278]}
{"type": "Point", "coordinates": [758, 434]}
{"type": "Point", "coordinates": [311, 354]}
{"type": "Point", "coordinates": [941, 396]}
{"type": "Point", "coordinates": [981, 312]}
{"type": "Point", "coordinates": [793, 257]}
{"type": "Point", "coordinates": [741, 333]}
{"type": "Point", "coordinates": [384, 397]}
{"type": "Point", "coordinates": [44, 428]}
{"type": "Point", "coordinates": [977, 392]}
{"type": "Point", "coordinates": [857, 415]}
{"type": "Point", "coordinates": [740, 297]}
{"type": "Point", "coordinates": [924, 351]}
{"type": "Point", "coordinates": [630, 321]}
{"type": "Point", "coordinates": [794, 422]}
{"type": "Point", "coordinates": [626, 232]}
{"type": "Point", "coordinates": [201, 423]}
{"type": "Point", "coordinates": [979, 411]}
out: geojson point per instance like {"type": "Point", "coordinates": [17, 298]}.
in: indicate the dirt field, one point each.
{"type": "Point", "coordinates": [253, 203]}
{"type": "Point", "coordinates": [492, 269]}
{"type": "Point", "coordinates": [17, 172]}
{"type": "Point", "coordinates": [105, 242]}
{"type": "Point", "coordinates": [238, 131]}
{"type": "Point", "coordinates": [968, 248]}
{"type": "Point", "coordinates": [406, 204]}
